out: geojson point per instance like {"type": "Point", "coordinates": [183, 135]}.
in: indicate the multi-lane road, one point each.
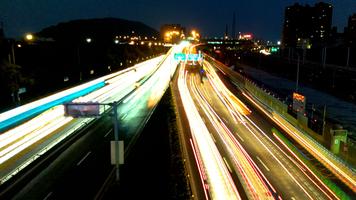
{"type": "Point", "coordinates": [229, 146]}
{"type": "Point", "coordinates": [235, 147]}
{"type": "Point", "coordinates": [61, 153]}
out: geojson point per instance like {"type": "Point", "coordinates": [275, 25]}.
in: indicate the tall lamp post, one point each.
{"type": "Point", "coordinates": [87, 40]}
{"type": "Point", "coordinates": [297, 81]}
{"type": "Point", "coordinates": [12, 60]}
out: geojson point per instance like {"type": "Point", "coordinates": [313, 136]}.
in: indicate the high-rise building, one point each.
{"type": "Point", "coordinates": [2, 35]}
{"type": "Point", "coordinates": [350, 31]}
{"type": "Point", "coordinates": [2, 41]}
{"type": "Point", "coordinates": [306, 26]}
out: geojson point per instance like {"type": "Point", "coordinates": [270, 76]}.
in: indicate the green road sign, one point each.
{"type": "Point", "coordinates": [180, 56]}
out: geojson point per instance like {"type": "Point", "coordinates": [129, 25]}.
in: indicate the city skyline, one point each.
{"type": "Point", "coordinates": [263, 19]}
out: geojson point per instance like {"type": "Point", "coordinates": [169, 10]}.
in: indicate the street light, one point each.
{"type": "Point", "coordinates": [88, 40]}
{"type": "Point", "coordinates": [29, 37]}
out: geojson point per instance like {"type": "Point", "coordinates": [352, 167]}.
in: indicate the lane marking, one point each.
{"type": "Point", "coordinates": [83, 158]}
{"type": "Point", "coordinates": [107, 133]}
{"type": "Point", "coordinates": [123, 117]}
{"type": "Point", "coordinates": [48, 195]}
{"type": "Point", "coordinates": [213, 137]}
{"type": "Point", "coordinates": [240, 137]}
{"type": "Point", "coordinates": [227, 165]}
{"type": "Point", "coordinates": [225, 120]}
{"type": "Point", "coordinates": [258, 158]}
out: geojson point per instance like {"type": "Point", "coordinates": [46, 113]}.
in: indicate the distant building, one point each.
{"type": "Point", "coordinates": [2, 42]}
{"type": "Point", "coordinates": [306, 26]}
{"type": "Point", "coordinates": [2, 35]}
{"type": "Point", "coordinates": [350, 31]}
{"type": "Point", "coordinates": [172, 33]}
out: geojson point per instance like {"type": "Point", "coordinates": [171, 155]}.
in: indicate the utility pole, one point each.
{"type": "Point", "coordinates": [89, 110]}
{"type": "Point", "coordinates": [297, 82]}
{"type": "Point", "coordinates": [348, 57]}
{"type": "Point", "coordinates": [13, 52]}
{"type": "Point", "coordinates": [324, 115]}
{"type": "Point", "coordinates": [116, 136]}
{"type": "Point", "coordinates": [324, 57]}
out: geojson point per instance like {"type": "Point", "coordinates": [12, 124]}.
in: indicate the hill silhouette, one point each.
{"type": "Point", "coordinates": [100, 29]}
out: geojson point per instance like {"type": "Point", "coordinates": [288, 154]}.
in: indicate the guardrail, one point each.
{"type": "Point", "coordinates": [336, 165]}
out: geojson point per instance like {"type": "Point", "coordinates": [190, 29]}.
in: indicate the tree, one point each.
{"type": "Point", "coordinates": [11, 79]}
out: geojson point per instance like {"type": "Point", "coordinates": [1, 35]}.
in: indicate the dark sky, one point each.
{"type": "Point", "coordinates": [261, 17]}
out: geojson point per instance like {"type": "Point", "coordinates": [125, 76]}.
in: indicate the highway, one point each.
{"type": "Point", "coordinates": [24, 143]}
{"type": "Point", "coordinates": [232, 151]}
{"type": "Point", "coordinates": [342, 174]}
{"type": "Point", "coordinates": [238, 141]}
{"type": "Point", "coordinates": [138, 89]}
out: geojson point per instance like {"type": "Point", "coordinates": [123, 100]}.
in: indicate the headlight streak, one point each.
{"type": "Point", "coordinates": [220, 182]}
{"type": "Point", "coordinates": [219, 86]}
{"type": "Point", "coordinates": [15, 116]}
{"type": "Point", "coordinates": [349, 180]}
{"type": "Point", "coordinates": [23, 136]}
{"type": "Point", "coordinates": [254, 184]}
{"type": "Point", "coordinates": [346, 178]}
{"type": "Point", "coordinates": [200, 169]}
{"type": "Point", "coordinates": [306, 167]}
{"type": "Point", "coordinates": [303, 170]}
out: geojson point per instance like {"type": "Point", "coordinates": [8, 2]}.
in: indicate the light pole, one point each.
{"type": "Point", "coordinates": [348, 57]}
{"type": "Point", "coordinates": [118, 144]}
{"type": "Point", "coordinates": [324, 57]}
{"type": "Point", "coordinates": [297, 82]}
{"type": "Point", "coordinates": [12, 59]}
{"type": "Point", "coordinates": [92, 109]}
{"type": "Point", "coordinates": [87, 40]}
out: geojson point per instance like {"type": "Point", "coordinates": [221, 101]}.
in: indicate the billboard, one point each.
{"type": "Point", "coordinates": [299, 102]}
{"type": "Point", "coordinates": [77, 110]}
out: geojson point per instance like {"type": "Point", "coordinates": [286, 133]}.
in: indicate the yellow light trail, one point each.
{"type": "Point", "coordinates": [219, 180]}
{"type": "Point", "coordinates": [254, 184]}
{"type": "Point", "coordinates": [19, 138]}
{"type": "Point", "coordinates": [317, 184]}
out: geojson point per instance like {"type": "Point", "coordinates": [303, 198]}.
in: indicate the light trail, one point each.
{"type": "Point", "coordinates": [46, 128]}
{"type": "Point", "coordinates": [342, 172]}
{"type": "Point", "coordinates": [246, 170]}
{"type": "Point", "coordinates": [221, 185]}
{"type": "Point", "coordinates": [318, 183]}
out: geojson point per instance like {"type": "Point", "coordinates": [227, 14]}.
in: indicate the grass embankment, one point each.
{"type": "Point", "coordinates": [329, 183]}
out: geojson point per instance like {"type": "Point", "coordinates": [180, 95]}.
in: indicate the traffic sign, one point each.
{"type": "Point", "coordinates": [180, 56]}
{"type": "Point", "coordinates": [193, 57]}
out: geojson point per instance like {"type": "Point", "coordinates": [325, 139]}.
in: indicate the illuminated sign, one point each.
{"type": "Point", "coordinates": [246, 36]}
{"type": "Point", "coordinates": [77, 110]}
{"type": "Point", "coordinates": [299, 102]}
{"type": "Point", "coordinates": [193, 57]}
{"type": "Point", "coordinates": [180, 56]}
{"type": "Point", "coordinates": [298, 97]}
{"type": "Point", "coordinates": [274, 49]}
{"type": "Point", "coordinates": [189, 57]}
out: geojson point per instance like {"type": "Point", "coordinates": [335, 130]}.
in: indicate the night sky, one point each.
{"type": "Point", "coordinates": [261, 17]}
